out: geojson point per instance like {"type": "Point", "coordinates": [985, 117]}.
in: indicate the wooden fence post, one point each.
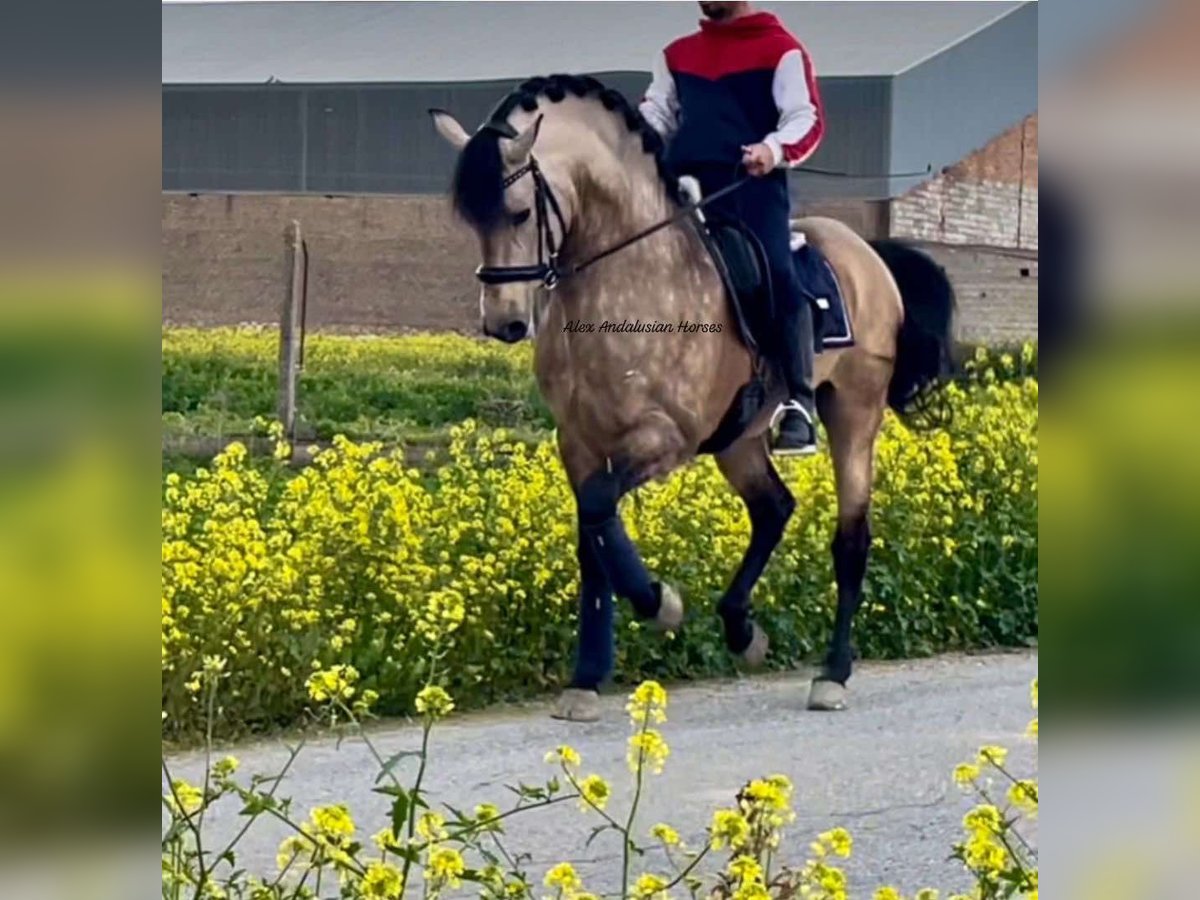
{"type": "Point", "coordinates": [291, 325]}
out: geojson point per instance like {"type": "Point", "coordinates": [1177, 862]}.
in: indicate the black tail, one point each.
{"type": "Point", "coordinates": [924, 349]}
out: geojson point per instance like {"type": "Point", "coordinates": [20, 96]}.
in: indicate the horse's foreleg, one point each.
{"type": "Point", "coordinates": [594, 654]}
{"type": "Point", "coordinates": [604, 532]}
{"type": "Point", "coordinates": [594, 660]}
{"type": "Point", "coordinates": [748, 468]}
{"type": "Point", "coordinates": [852, 424]}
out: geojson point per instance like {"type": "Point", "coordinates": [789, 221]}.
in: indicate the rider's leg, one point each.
{"type": "Point", "coordinates": [769, 217]}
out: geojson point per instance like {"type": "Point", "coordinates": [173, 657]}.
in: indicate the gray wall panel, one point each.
{"type": "Point", "coordinates": [956, 102]}
{"type": "Point", "coordinates": [378, 139]}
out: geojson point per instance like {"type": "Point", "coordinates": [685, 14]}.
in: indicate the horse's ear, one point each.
{"type": "Point", "coordinates": [517, 150]}
{"type": "Point", "coordinates": [449, 128]}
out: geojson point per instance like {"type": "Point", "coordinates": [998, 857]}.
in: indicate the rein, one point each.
{"type": "Point", "coordinates": [547, 269]}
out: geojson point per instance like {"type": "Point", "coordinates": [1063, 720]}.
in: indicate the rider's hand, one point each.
{"type": "Point", "coordinates": [758, 159]}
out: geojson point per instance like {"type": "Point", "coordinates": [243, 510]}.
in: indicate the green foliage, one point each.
{"type": "Point", "coordinates": [362, 560]}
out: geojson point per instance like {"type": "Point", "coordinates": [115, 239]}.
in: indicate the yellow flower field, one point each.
{"type": "Point", "coordinates": [361, 560]}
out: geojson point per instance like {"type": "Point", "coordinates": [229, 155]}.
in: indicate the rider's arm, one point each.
{"type": "Point", "coordinates": [801, 119]}
{"type": "Point", "coordinates": [660, 106]}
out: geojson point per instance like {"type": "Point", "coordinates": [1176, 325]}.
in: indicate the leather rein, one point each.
{"type": "Point", "coordinates": [548, 270]}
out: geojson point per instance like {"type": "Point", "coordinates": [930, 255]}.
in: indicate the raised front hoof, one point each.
{"type": "Point", "coordinates": [670, 609]}
{"type": "Point", "coordinates": [827, 696]}
{"type": "Point", "coordinates": [755, 654]}
{"type": "Point", "coordinates": [577, 705]}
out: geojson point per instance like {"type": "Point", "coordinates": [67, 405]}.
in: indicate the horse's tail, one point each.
{"type": "Point", "coordinates": [924, 348]}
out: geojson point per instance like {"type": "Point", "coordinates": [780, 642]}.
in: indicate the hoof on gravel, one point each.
{"type": "Point", "coordinates": [756, 654]}
{"type": "Point", "coordinates": [577, 705]}
{"type": "Point", "coordinates": [670, 610]}
{"type": "Point", "coordinates": [828, 696]}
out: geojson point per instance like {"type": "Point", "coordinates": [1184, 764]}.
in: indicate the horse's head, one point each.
{"type": "Point", "coordinates": [518, 209]}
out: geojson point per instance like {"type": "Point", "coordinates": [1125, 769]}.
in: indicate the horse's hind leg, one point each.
{"type": "Point", "coordinates": [852, 418]}
{"type": "Point", "coordinates": [747, 466]}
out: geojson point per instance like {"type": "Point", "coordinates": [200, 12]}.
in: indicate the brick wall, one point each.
{"type": "Point", "coordinates": [392, 263]}
{"type": "Point", "coordinates": [376, 262]}
{"type": "Point", "coordinates": [989, 198]}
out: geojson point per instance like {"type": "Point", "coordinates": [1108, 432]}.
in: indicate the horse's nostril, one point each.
{"type": "Point", "coordinates": [512, 331]}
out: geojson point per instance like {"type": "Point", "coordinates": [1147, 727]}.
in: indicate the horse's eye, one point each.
{"type": "Point", "coordinates": [520, 218]}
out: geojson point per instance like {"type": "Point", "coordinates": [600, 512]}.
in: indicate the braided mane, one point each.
{"type": "Point", "coordinates": [478, 186]}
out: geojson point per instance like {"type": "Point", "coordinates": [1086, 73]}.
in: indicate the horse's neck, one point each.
{"type": "Point", "coordinates": [616, 204]}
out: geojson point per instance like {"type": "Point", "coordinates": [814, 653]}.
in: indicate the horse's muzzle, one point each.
{"type": "Point", "coordinates": [509, 332]}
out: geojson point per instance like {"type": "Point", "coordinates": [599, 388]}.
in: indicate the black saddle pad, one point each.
{"type": "Point", "coordinates": [831, 321]}
{"type": "Point", "coordinates": [745, 263]}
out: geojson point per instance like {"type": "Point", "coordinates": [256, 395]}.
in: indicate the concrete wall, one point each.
{"type": "Point", "coordinates": [990, 198]}
{"type": "Point", "coordinates": [395, 263]}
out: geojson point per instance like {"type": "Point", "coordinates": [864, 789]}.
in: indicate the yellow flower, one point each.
{"type": "Point", "coordinates": [666, 834]}
{"type": "Point", "coordinates": [647, 704]}
{"type": "Point", "coordinates": [1033, 694]}
{"type": "Point", "coordinates": [991, 754]}
{"type": "Point", "coordinates": [434, 702]}
{"type": "Point", "coordinates": [431, 826]}
{"type": "Point", "coordinates": [984, 854]}
{"type": "Point", "coordinates": [564, 877]}
{"type": "Point", "coordinates": [965, 774]}
{"type": "Point", "coordinates": [444, 867]}
{"type": "Point", "coordinates": [334, 683]}
{"type": "Point", "coordinates": [651, 887]}
{"type": "Point", "coordinates": [983, 819]}
{"type": "Point", "coordinates": [647, 749]}
{"type": "Point", "coordinates": [595, 791]}
{"type": "Point", "coordinates": [564, 754]}
{"type": "Point", "coordinates": [728, 828]}
{"type": "Point", "coordinates": [225, 767]}
{"type": "Point", "coordinates": [487, 816]}
{"type": "Point", "coordinates": [382, 880]}
{"type": "Point", "coordinates": [191, 798]}
{"type": "Point", "coordinates": [1023, 795]}
{"type": "Point", "coordinates": [1032, 728]}
{"type": "Point", "coordinates": [384, 838]}
{"type": "Point", "coordinates": [839, 841]}
{"type": "Point", "coordinates": [745, 868]}
{"type": "Point", "coordinates": [290, 849]}
{"type": "Point", "coordinates": [926, 894]}
{"type": "Point", "coordinates": [887, 893]}
{"type": "Point", "coordinates": [332, 822]}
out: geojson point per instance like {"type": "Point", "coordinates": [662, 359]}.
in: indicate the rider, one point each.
{"type": "Point", "coordinates": [740, 92]}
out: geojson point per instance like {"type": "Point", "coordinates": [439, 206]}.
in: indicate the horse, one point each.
{"type": "Point", "coordinates": [580, 223]}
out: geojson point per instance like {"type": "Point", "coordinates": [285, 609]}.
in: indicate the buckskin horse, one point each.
{"type": "Point", "coordinates": [578, 221]}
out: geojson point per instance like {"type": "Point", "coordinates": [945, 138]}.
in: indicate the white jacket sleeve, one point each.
{"type": "Point", "coordinates": [801, 125]}
{"type": "Point", "coordinates": [660, 106]}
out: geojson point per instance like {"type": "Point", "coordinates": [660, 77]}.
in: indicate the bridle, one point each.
{"type": "Point", "coordinates": [547, 269]}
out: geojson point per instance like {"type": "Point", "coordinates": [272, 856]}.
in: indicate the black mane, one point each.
{"type": "Point", "coordinates": [478, 186]}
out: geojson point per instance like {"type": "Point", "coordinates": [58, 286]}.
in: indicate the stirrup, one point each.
{"type": "Point", "coordinates": [790, 406]}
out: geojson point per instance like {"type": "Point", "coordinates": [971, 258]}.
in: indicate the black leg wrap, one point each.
{"type": "Point", "coordinates": [739, 628]}
{"type": "Point", "coordinates": [851, 544]}
{"type": "Point", "coordinates": [602, 528]}
{"type": "Point", "coordinates": [594, 660]}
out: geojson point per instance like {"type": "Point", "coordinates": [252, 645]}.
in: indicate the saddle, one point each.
{"type": "Point", "coordinates": [742, 262]}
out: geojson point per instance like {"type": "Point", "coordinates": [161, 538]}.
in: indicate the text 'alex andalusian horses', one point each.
{"type": "Point", "coordinates": [565, 171]}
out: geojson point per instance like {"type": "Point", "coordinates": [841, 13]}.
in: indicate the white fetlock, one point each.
{"type": "Point", "coordinates": [670, 610]}
{"type": "Point", "coordinates": [827, 696]}
{"type": "Point", "coordinates": [577, 705]}
{"type": "Point", "coordinates": [755, 654]}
